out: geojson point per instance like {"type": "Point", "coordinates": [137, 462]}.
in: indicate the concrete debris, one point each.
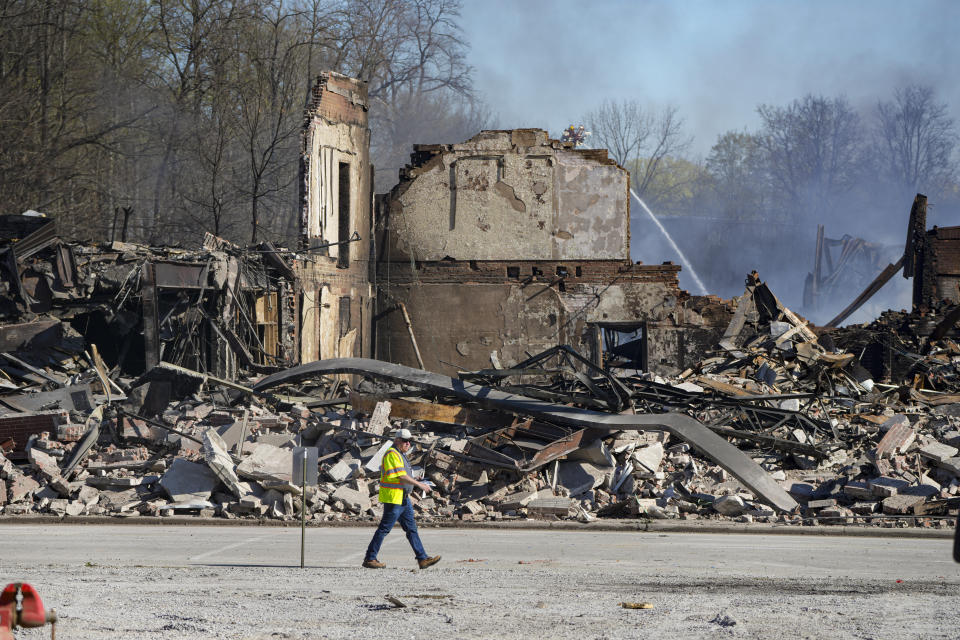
{"type": "Point", "coordinates": [215, 454]}
{"type": "Point", "coordinates": [188, 482]}
{"type": "Point", "coordinates": [729, 505]}
{"type": "Point", "coordinates": [595, 453]}
{"type": "Point", "coordinates": [267, 463]}
{"type": "Point", "coordinates": [851, 440]}
{"type": "Point", "coordinates": [579, 477]}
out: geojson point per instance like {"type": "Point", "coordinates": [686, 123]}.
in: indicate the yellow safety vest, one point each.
{"type": "Point", "coordinates": [391, 470]}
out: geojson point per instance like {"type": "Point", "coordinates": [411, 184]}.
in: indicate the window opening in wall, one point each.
{"type": "Point", "coordinates": [513, 272]}
{"type": "Point", "coordinates": [344, 315]}
{"type": "Point", "coordinates": [562, 271]}
{"type": "Point", "coordinates": [343, 218]}
{"type": "Point", "coordinates": [625, 345]}
{"type": "Point", "coordinates": [268, 325]}
{"type": "Point", "coordinates": [579, 271]}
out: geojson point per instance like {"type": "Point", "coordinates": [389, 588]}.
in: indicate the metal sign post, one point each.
{"type": "Point", "coordinates": [306, 458]}
{"type": "Point", "coordinates": [303, 510]}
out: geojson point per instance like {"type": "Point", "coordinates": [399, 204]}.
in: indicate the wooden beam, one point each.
{"type": "Point", "coordinates": [872, 288]}
{"type": "Point", "coordinates": [430, 412]}
{"type": "Point", "coordinates": [151, 335]}
{"type": "Point", "coordinates": [413, 339]}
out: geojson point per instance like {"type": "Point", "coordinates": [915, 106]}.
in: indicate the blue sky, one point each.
{"type": "Point", "coordinates": [545, 63]}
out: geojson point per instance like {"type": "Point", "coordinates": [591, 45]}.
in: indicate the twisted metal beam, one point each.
{"type": "Point", "coordinates": [684, 427]}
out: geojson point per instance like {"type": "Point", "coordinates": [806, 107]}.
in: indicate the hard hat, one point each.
{"type": "Point", "coordinates": [402, 434]}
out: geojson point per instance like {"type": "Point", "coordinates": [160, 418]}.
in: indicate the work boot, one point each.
{"type": "Point", "coordinates": [375, 564]}
{"type": "Point", "coordinates": [428, 562]}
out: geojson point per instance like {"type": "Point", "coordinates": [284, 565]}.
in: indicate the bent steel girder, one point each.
{"type": "Point", "coordinates": [684, 427]}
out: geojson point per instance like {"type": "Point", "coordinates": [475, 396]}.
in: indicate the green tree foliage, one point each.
{"type": "Point", "coordinates": [739, 183]}
{"type": "Point", "coordinates": [677, 187]}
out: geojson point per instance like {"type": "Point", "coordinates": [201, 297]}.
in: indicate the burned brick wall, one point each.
{"type": "Point", "coordinates": [464, 313]}
{"type": "Point", "coordinates": [506, 195]}
{"type": "Point", "coordinates": [336, 299]}
{"type": "Point", "coordinates": [941, 273]}
{"type": "Point", "coordinates": [510, 243]}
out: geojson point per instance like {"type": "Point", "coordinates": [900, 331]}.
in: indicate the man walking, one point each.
{"type": "Point", "coordinates": [396, 482]}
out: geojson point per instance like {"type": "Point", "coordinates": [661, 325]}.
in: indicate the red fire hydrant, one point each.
{"type": "Point", "coordinates": [20, 606]}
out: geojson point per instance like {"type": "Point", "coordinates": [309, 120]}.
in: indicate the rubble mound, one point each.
{"type": "Point", "coordinates": [859, 425]}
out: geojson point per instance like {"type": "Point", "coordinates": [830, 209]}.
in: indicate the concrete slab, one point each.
{"type": "Point", "coordinates": [276, 439]}
{"type": "Point", "coordinates": [649, 458]}
{"type": "Point", "coordinates": [219, 461]}
{"type": "Point", "coordinates": [187, 481]}
{"type": "Point", "coordinates": [267, 462]}
{"type": "Point", "coordinates": [901, 504]}
{"type": "Point", "coordinates": [232, 434]}
{"type": "Point", "coordinates": [515, 501]}
{"type": "Point", "coordinates": [580, 477]}
{"type": "Point", "coordinates": [44, 463]}
{"type": "Point", "coordinates": [380, 418]}
{"type": "Point", "coordinates": [346, 467]}
{"type": "Point", "coordinates": [552, 506]}
{"type": "Point", "coordinates": [858, 490]}
{"type": "Point", "coordinates": [729, 505]}
{"type": "Point", "coordinates": [21, 486]}
{"type": "Point", "coordinates": [595, 453]}
{"type": "Point", "coordinates": [355, 500]}
{"type": "Point", "coordinates": [373, 464]}
{"type": "Point", "coordinates": [937, 451]}
{"type": "Point", "coordinates": [885, 486]}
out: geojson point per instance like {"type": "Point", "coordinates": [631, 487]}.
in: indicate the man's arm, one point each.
{"type": "Point", "coordinates": [405, 479]}
{"type": "Point", "coordinates": [393, 466]}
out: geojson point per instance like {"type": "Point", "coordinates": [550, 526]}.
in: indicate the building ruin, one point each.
{"type": "Point", "coordinates": [510, 243]}
{"type": "Point", "coordinates": [336, 284]}
{"type": "Point", "coordinates": [485, 252]}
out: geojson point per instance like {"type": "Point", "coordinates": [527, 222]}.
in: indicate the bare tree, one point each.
{"type": "Point", "coordinates": [269, 115]}
{"type": "Point", "coordinates": [189, 31]}
{"type": "Point", "coordinates": [186, 114]}
{"type": "Point", "coordinates": [414, 58]}
{"type": "Point", "coordinates": [622, 128]}
{"type": "Point", "coordinates": [917, 138]}
{"type": "Point", "coordinates": [637, 138]}
{"type": "Point", "coordinates": [813, 150]}
{"type": "Point", "coordinates": [58, 135]}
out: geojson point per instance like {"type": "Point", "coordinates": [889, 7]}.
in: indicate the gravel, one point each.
{"type": "Point", "coordinates": [105, 584]}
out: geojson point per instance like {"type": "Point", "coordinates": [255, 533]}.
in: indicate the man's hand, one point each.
{"type": "Point", "coordinates": [416, 483]}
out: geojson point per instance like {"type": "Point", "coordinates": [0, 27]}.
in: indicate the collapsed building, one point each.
{"type": "Point", "coordinates": [154, 380]}
{"type": "Point", "coordinates": [219, 308]}
{"type": "Point", "coordinates": [510, 243]}
{"type": "Point", "coordinates": [214, 309]}
{"type": "Point", "coordinates": [487, 250]}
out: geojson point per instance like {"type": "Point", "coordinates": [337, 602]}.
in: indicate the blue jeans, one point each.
{"type": "Point", "coordinates": [392, 513]}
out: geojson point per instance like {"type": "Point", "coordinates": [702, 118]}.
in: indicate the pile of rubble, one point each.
{"type": "Point", "coordinates": [847, 442]}
{"type": "Point", "coordinates": [215, 308]}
